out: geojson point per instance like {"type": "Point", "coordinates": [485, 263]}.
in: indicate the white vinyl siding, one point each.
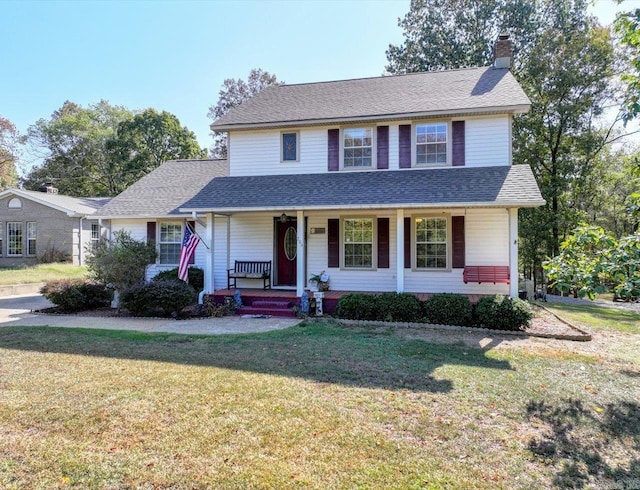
{"type": "Point", "coordinates": [259, 152]}
{"type": "Point", "coordinates": [487, 141]}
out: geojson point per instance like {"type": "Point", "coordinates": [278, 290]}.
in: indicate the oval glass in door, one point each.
{"type": "Point", "coordinates": [291, 243]}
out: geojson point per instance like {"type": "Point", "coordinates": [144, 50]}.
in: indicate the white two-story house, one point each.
{"type": "Point", "coordinates": [395, 183]}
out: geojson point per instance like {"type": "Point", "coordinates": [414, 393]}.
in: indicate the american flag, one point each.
{"type": "Point", "coordinates": [189, 243]}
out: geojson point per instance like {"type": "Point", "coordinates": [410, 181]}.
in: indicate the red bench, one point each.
{"type": "Point", "coordinates": [486, 273]}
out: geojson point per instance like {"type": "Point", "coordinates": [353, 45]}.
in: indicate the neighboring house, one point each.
{"type": "Point", "coordinates": [397, 183]}
{"type": "Point", "coordinates": [45, 225]}
{"type": "Point", "coordinates": [149, 209]}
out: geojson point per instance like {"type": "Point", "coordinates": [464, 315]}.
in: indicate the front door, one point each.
{"type": "Point", "coordinates": [286, 252]}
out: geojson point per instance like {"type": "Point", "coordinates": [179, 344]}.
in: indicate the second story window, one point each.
{"type": "Point", "coordinates": [289, 151]}
{"type": "Point", "coordinates": [358, 147]}
{"type": "Point", "coordinates": [431, 144]}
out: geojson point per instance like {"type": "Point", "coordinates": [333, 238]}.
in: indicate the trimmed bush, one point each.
{"type": "Point", "coordinates": [196, 277]}
{"type": "Point", "coordinates": [157, 298]}
{"type": "Point", "coordinates": [398, 307]}
{"type": "Point", "coordinates": [448, 309]}
{"type": "Point", "coordinates": [503, 313]}
{"type": "Point", "coordinates": [357, 306]}
{"type": "Point", "coordinates": [77, 294]}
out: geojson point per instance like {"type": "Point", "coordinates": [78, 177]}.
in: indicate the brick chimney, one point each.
{"type": "Point", "coordinates": [502, 52]}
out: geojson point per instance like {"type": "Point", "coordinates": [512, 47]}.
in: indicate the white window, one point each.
{"type": "Point", "coordinates": [431, 243]}
{"type": "Point", "coordinates": [14, 238]}
{"type": "Point", "coordinates": [431, 143]}
{"type": "Point", "coordinates": [95, 235]}
{"type": "Point", "coordinates": [15, 203]}
{"type": "Point", "coordinates": [357, 147]}
{"type": "Point", "coordinates": [169, 242]}
{"type": "Point", "coordinates": [31, 238]}
{"type": "Point", "coordinates": [358, 243]}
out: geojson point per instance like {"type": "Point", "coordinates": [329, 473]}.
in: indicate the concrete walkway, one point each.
{"type": "Point", "coordinates": [16, 311]}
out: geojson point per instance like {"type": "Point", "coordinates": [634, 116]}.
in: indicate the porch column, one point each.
{"type": "Point", "coordinates": [400, 250]}
{"type": "Point", "coordinates": [301, 280]}
{"type": "Point", "coordinates": [513, 252]}
{"type": "Point", "coordinates": [208, 267]}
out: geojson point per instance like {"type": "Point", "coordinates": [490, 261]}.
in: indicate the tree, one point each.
{"type": "Point", "coordinates": [627, 26]}
{"type": "Point", "coordinates": [10, 142]}
{"type": "Point", "coordinates": [565, 63]}
{"type": "Point", "coordinates": [233, 93]}
{"type": "Point", "coordinates": [73, 143]}
{"type": "Point", "coordinates": [121, 262]}
{"type": "Point", "coordinates": [150, 138]}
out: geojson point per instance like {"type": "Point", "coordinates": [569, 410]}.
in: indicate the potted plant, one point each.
{"type": "Point", "coordinates": [321, 281]}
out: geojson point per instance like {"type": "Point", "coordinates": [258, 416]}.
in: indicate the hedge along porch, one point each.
{"type": "Point", "coordinates": [407, 231]}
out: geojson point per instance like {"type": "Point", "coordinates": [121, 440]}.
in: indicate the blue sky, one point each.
{"type": "Point", "coordinates": [174, 55]}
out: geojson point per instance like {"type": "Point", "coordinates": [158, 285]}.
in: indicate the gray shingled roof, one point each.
{"type": "Point", "coordinates": [499, 186]}
{"type": "Point", "coordinates": [68, 204]}
{"type": "Point", "coordinates": [163, 191]}
{"type": "Point", "coordinates": [452, 91]}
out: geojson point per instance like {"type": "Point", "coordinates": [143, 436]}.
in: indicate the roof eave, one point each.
{"type": "Point", "coordinates": [182, 214]}
{"type": "Point", "coordinates": [511, 109]}
{"type": "Point", "coordinates": [69, 212]}
{"type": "Point", "coordinates": [486, 204]}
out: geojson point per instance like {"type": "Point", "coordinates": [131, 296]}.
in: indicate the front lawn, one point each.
{"type": "Point", "coordinates": [313, 406]}
{"type": "Point", "coordinates": [39, 273]}
{"type": "Point", "coordinates": [598, 317]}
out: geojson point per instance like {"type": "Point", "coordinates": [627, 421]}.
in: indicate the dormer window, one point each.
{"type": "Point", "coordinates": [357, 147]}
{"type": "Point", "coordinates": [431, 143]}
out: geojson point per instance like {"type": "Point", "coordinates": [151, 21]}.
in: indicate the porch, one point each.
{"type": "Point", "coordinates": [330, 301]}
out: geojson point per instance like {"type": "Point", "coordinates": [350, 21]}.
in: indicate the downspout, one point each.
{"type": "Point", "coordinates": [80, 242]}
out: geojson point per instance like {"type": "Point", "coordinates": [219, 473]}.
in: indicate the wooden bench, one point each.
{"type": "Point", "coordinates": [250, 269]}
{"type": "Point", "coordinates": [486, 273]}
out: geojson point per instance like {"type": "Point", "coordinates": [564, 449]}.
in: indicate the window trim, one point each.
{"type": "Point", "coordinates": [414, 243]}
{"type": "Point", "coordinates": [93, 242]}
{"type": "Point", "coordinates": [414, 144]}
{"type": "Point", "coordinates": [374, 149]}
{"type": "Point", "coordinates": [21, 239]}
{"type": "Point", "coordinates": [374, 243]}
{"type": "Point", "coordinates": [282, 133]}
{"type": "Point", "coordinates": [159, 243]}
{"type": "Point", "coordinates": [34, 239]}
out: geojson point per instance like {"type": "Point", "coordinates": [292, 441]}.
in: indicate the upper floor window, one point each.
{"type": "Point", "coordinates": [431, 143]}
{"type": "Point", "coordinates": [358, 243]}
{"type": "Point", "coordinates": [289, 151]}
{"type": "Point", "coordinates": [31, 237]}
{"type": "Point", "coordinates": [14, 238]}
{"type": "Point", "coordinates": [15, 203]}
{"type": "Point", "coordinates": [358, 147]}
{"type": "Point", "coordinates": [431, 243]}
{"type": "Point", "coordinates": [169, 242]}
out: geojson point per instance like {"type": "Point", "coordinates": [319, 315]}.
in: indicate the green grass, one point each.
{"type": "Point", "coordinates": [313, 406]}
{"type": "Point", "coordinates": [39, 273]}
{"type": "Point", "coordinates": [598, 317]}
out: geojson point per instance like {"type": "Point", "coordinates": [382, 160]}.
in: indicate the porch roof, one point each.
{"type": "Point", "coordinates": [498, 186]}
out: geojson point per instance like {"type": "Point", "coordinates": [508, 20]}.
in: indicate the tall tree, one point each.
{"type": "Point", "coordinates": [627, 26]}
{"type": "Point", "coordinates": [563, 60]}
{"type": "Point", "coordinates": [10, 143]}
{"type": "Point", "coordinates": [142, 143]}
{"type": "Point", "coordinates": [73, 144]}
{"type": "Point", "coordinates": [233, 93]}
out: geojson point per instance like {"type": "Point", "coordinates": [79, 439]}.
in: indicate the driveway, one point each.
{"type": "Point", "coordinates": [16, 311]}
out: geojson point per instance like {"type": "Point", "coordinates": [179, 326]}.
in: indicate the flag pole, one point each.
{"type": "Point", "coordinates": [196, 234]}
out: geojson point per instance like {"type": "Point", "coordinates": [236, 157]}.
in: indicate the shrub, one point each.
{"type": "Point", "coordinates": [77, 294]}
{"type": "Point", "coordinates": [157, 298]}
{"type": "Point", "coordinates": [448, 309]}
{"type": "Point", "coordinates": [503, 313]}
{"type": "Point", "coordinates": [357, 306]}
{"type": "Point", "coordinates": [196, 277]}
{"type": "Point", "coordinates": [398, 307]}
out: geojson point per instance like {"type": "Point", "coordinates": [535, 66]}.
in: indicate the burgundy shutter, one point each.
{"type": "Point", "coordinates": [457, 144]}
{"type": "Point", "coordinates": [407, 243]}
{"type": "Point", "coordinates": [383, 243]}
{"type": "Point", "coordinates": [333, 242]}
{"type": "Point", "coordinates": [457, 238]}
{"type": "Point", "coordinates": [383, 147]}
{"type": "Point", "coordinates": [151, 234]}
{"type": "Point", "coordinates": [192, 225]}
{"type": "Point", "coordinates": [333, 136]}
{"type": "Point", "coordinates": [404, 145]}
